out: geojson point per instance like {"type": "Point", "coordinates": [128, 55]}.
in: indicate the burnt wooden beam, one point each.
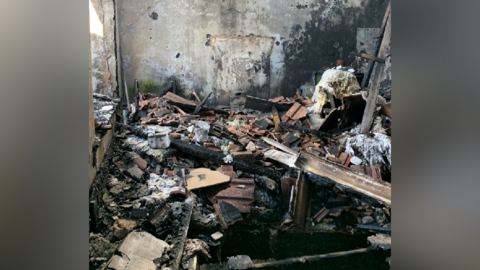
{"type": "Point", "coordinates": [197, 109]}
{"type": "Point", "coordinates": [306, 130]}
{"type": "Point", "coordinates": [264, 105]}
{"type": "Point", "coordinates": [179, 244]}
{"type": "Point", "coordinates": [207, 154]}
{"type": "Point", "coordinates": [377, 189]}
{"type": "Point", "coordinates": [221, 131]}
{"type": "Point", "coordinates": [279, 146]}
{"type": "Point", "coordinates": [302, 201]}
{"type": "Point", "coordinates": [311, 258]}
{"type": "Point", "coordinates": [191, 108]}
{"type": "Point", "coordinates": [137, 96]}
{"type": "Point", "coordinates": [366, 78]}
{"type": "Point", "coordinates": [373, 93]}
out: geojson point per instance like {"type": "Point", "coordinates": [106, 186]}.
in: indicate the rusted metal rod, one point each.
{"type": "Point", "coordinates": [311, 258]}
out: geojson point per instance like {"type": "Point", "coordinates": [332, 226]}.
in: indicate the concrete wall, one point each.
{"type": "Point", "coordinates": [102, 39]}
{"type": "Point", "coordinates": [264, 48]}
{"type": "Point", "coordinates": [91, 123]}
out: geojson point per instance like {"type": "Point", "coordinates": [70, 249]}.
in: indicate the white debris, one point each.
{"type": "Point", "coordinates": [106, 108]}
{"type": "Point", "coordinates": [356, 161]}
{"type": "Point", "coordinates": [217, 236]}
{"type": "Point", "coordinates": [336, 82]}
{"type": "Point", "coordinates": [251, 146]}
{"type": "Point", "coordinates": [201, 131]}
{"type": "Point", "coordinates": [228, 159]}
{"type": "Point", "coordinates": [378, 126]}
{"type": "Point", "coordinates": [351, 70]}
{"type": "Point", "coordinates": [379, 101]}
{"type": "Point", "coordinates": [141, 145]}
{"type": "Point", "coordinates": [158, 129]}
{"type": "Point", "coordinates": [161, 186]}
{"type": "Point", "coordinates": [372, 150]}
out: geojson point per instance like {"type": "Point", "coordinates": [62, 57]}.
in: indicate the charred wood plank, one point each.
{"type": "Point", "coordinates": [179, 245]}
{"type": "Point", "coordinates": [191, 108]}
{"type": "Point", "coordinates": [178, 99]}
{"type": "Point", "coordinates": [137, 96]}
{"type": "Point", "coordinates": [369, 57]}
{"type": "Point", "coordinates": [302, 201]}
{"type": "Point", "coordinates": [372, 95]}
{"type": "Point", "coordinates": [282, 157]}
{"type": "Point", "coordinates": [220, 131]}
{"type": "Point", "coordinates": [379, 190]}
{"type": "Point", "coordinates": [264, 105]}
{"type": "Point", "coordinates": [306, 130]}
{"type": "Point", "coordinates": [207, 154]}
{"type": "Point", "coordinates": [366, 78]}
{"type": "Point", "coordinates": [197, 109]}
{"type": "Point", "coordinates": [279, 146]}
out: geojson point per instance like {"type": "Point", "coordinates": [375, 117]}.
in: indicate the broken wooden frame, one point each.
{"type": "Point", "coordinates": [378, 72]}
{"type": "Point", "coordinates": [264, 105]}
{"type": "Point", "coordinates": [345, 176]}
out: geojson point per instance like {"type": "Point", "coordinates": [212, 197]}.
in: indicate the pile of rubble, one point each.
{"type": "Point", "coordinates": [182, 174]}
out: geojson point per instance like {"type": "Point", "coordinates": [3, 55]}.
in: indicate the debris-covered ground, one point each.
{"type": "Point", "coordinates": [185, 186]}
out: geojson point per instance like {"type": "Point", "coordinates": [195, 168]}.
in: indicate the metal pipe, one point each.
{"type": "Point", "coordinates": [311, 258]}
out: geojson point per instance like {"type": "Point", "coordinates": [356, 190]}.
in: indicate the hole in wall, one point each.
{"type": "Point", "coordinates": [178, 55]}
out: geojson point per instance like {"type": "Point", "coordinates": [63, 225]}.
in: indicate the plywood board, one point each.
{"type": "Point", "coordinates": [203, 177]}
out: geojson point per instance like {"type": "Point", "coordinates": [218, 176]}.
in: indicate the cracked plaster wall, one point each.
{"type": "Point", "coordinates": [102, 41]}
{"type": "Point", "coordinates": [168, 38]}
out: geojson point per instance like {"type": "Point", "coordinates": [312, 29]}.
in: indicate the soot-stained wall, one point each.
{"type": "Point", "coordinates": [102, 47]}
{"type": "Point", "coordinates": [263, 48]}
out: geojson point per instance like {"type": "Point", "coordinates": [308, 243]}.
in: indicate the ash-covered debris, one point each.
{"type": "Point", "coordinates": [229, 168]}
{"type": "Point", "coordinates": [103, 109]}
{"type": "Point", "coordinates": [374, 149]}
